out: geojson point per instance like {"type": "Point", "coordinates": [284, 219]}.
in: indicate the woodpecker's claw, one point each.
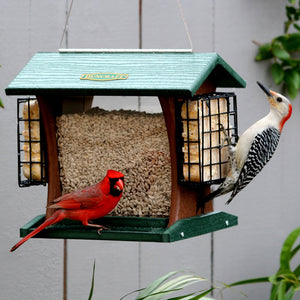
{"type": "Point", "coordinates": [227, 138]}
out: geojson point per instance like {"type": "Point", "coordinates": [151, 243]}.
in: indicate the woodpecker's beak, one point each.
{"type": "Point", "coordinates": [265, 89]}
{"type": "Point", "coordinates": [119, 185]}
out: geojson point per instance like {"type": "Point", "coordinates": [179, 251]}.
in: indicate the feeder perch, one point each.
{"type": "Point", "coordinates": [197, 120]}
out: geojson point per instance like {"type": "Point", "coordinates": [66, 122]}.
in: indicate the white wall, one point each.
{"type": "Point", "coordinates": [268, 209]}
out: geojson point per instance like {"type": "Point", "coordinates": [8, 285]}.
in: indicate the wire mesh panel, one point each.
{"type": "Point", "coordinates": [205, 127]}
{"type": "Point", "coordinates": [31, 156]}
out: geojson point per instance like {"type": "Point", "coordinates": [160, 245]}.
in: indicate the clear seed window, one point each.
{"type": "Point", "coordinates": [135, 143]}
{"type": "Point", "coordinates": [203, 123]}
{"type": "Point", "coordinates": [31, 158]}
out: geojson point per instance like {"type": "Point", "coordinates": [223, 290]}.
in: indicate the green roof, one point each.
{"type": "Point", "coordinates": [149, 73]}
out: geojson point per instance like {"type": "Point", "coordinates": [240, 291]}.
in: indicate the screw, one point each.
{"type": "Point", "coordinates": [182, 234]}
{"type": "Point", "coordinates": [227, 222]}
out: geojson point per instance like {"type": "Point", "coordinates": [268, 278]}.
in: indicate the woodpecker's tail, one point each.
{"type": "Point", "coordinates": [230, 199]}
{"type": "Point", "coordinates": [56, 217]}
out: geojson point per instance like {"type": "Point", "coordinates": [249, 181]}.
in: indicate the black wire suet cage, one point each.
{"type": "Point", "coordinates": [206, 125]}
{"type": "Point", "coordinates": [31, 148]}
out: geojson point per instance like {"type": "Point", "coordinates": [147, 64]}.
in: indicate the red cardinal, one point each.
{"type": "Point", "coordinates": [90, 203]}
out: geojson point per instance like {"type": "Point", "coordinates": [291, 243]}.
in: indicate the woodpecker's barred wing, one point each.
{"type": "Point", "coordinates": [261, 151]}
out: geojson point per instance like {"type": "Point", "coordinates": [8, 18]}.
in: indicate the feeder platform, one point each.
{"type": "Point", "coordinates": [134, 228]}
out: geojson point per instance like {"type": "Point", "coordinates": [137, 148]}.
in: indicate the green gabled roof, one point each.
{"type": "Point", "coordinates": [149, 73]}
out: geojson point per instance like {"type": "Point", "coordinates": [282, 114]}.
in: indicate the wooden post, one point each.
{"type": "Point", "coordinates": [47, 112]}
{"type": "Point", "coordinates": [50, 107]}
{"type": "Point", "coordinates": [183, 199]}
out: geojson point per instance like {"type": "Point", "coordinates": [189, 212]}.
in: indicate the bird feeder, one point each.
{"type": "Point", "coordinates": [197, 120]}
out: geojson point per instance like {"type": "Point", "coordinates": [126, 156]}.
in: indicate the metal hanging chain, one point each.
{"type": "Point", "coordinates": [66, 24]}
{"type": "Point", "coordinates": [185, 24]}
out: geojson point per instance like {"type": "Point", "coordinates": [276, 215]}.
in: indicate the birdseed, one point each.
{"type": "Point", "coordinates": [134, 143]}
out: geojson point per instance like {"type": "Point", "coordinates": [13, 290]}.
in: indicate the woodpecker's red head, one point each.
{"type": "Point", "coordinates": [279, 104]}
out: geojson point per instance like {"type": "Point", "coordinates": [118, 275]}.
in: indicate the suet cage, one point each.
{"type": "Point", "coordinates": [182, 81]}
{"type": "Point", "coordinates": [206, 125]}
{"type": "Point", "coordinates": [31, 147]}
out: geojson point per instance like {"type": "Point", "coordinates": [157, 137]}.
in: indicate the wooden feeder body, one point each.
{"type": "Point", "coordinates": [59, 82]}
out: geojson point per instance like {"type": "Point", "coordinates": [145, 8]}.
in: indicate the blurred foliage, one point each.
{"type": "Point", "coordinates": [286, 282]}
{"type": "Point", "coordinates": [284, 51]}
{"type": "Point", "coordinates": [170, 283]}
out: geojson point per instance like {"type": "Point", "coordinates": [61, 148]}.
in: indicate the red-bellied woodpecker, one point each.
{"type": "Point", "coordinates": [255, 146]}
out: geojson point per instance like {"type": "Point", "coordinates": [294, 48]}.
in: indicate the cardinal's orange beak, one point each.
{"type": "Point", "coordinates": [119, 185]}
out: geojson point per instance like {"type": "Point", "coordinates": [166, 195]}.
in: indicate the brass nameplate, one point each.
{"type": "Point", "coordinates": [104, 76]}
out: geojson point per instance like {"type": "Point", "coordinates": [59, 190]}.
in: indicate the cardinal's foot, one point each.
{"type": "Point", "coordinates": [101, 227]}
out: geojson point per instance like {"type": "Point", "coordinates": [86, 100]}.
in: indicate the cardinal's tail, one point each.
{"type": "Point", "coordinates": [56, 217]}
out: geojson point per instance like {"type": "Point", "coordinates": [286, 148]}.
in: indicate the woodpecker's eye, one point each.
{"type": "Point", "coordinates": [279, 99]}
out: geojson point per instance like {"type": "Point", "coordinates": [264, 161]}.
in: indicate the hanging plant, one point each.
{"type": "Point", "coordinates": [284, 52]}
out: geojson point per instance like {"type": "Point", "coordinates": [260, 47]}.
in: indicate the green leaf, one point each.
{"type": "Point", "coordinates": [277, 73]}
{"type": "Point", "coordinates": [192, 297]}
{"type": "Point", "coordinates": [287, 25]}
{"type": "Point", "coordinates": [250, 281]}
{"type": "Point", "coordinates": [297, 271]}
{"type": "Point", "coordinates": [180, 282]}
{"type": "Point", "coordinates": [286, 251]}
{"type": "Point", "coordinates": [157, 295]}
{"type": "Point", "coordinates": [292, 80]}
{"type": "Point", "coordinates": [202, 295]}
{"type": "Point", "coordinates": [165, 285]}
{"type": "Point", "coordinates": [295, 251]}
{"type": "Point", "coordinates": [281, 290]}
{"type": "Point", "coordinates": [130, 293]}
{"type": "Point", "coordinates": [155, 284]}
{"type": "Point", "coordinates": [279, 52]}
{"type": "Point", "coordinates": [274, 292]}
{"type": "Point", "coordinates": [264, 52]}
{"type": "Point", "coordinates": [290, 294]}
{"type": "Point", "coordinates": [93, 280]}
{"type": "Point", "coordinates": [273, 279]}
{"type": "Point", "coordinates": [292, 91]}
{"type": "Point", "coordinates": [185, 297]}
{"type": "Point", "coordinates": [296, 26]}
{"type": "Point", "coordinates": [291, 42]}
{"type": "Point", "coordinates": [290, 10]}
